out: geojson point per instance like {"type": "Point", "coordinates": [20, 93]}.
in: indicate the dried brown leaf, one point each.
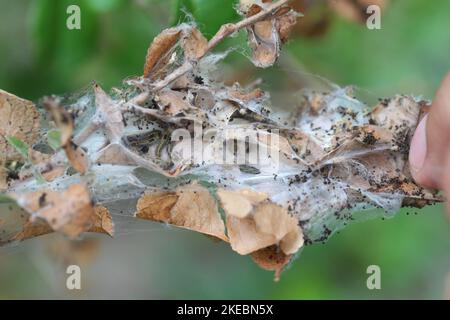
{"type": "Point", "coordinates": [265, 43]}
{"type": "Point", "coordinates": [247, 96]}
{"type": "Point", "coordinates": [254, 223]}
{"type": "Point", "coordinates": [64, 121]}
{"type": "Point", "coordinates": [114, 154]}
{"type": "Point", "coordinates": [191, 207]}
{"type": "Point", "coordinates": [272, 259]}
{"type": "Point", "coordinates": [245, 237]}
{"type": "Point", "coordinates": [33, 229]}
{"type": "Point", "coordinates": [161, 45]}
{"type": "Point", "coordinates": [53, 173]}
{"type": "Point", "coordinates": [240, 203]}
{"type": "Point", "coordinates": [77, 157]}
{"type": "Point", "coordinates": [18, 118]}
{"type": "Point", "coordinates": [173, 102]}
{"type": "Point", "coordinates": [286, 24]}
{"type": "Point", "coordinates": [195, 44]}
{"type": "Point", "coordinates": [102, 221]}
{"type": "Point", "coordinates": [69, 212]}
{"type": "Point", "coordinates": [397, 113]}
{"type": "Point", "coordinates": [266, 36]}
{"type": "Point", "coordinates": [109, 113]}
{"type": "Point", "coordinates": [3, 178]}
{"type": "Point", "coordinates": [156, 206]}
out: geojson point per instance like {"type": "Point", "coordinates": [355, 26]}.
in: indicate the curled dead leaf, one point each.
{"type": "Point", "coordinates": [156, 206]}
{"type": "Point", "coordinates": [18, 118]}
{"type": "Point", "coordinates": [254, 223]}
{"type": "Point", "coordinates": [109, 113]}
{"type": "Point", "coordinates": [397, 113]}
{"type": "Point", "coordinates": [33, 229]}
{"type": "Point", "coordinates": [53, 173]}
{"type": "Point", "coordinates": [69, 212]}
{"type": "Point", "coordinates": [173, 102]}
{"type": "Point", "coordinates": [272, 259]}
{"type": "Point", "coordinates": [247, 96]}
{"type": "Point", "coordinates": [195, 44]}
{"type": "Point", "coordinates": [64, 121]}
{"type": "Point", "coordinates": [191, 207]}
{"type": "Point", "coordinates": [265, 43]}
{"type": "Point", "coordinates": [286, 23]}
{"type": "Point", "coordinates": [160, 47]}
{"type": "Point", "coordinates": [77, 157]}
{"type": "Point", "coordinates": [102, 221]}
{"type": "Point", "coordinates": [265, 37]}
{"type": "Point", "coordinates": [240, 203]}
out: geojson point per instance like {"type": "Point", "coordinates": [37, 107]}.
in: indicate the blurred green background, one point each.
{"type": "Point", "coordinates": [410, 54]}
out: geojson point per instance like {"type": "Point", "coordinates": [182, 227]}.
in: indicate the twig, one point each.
{"type": "Point", "coordinates": [87, 131]}
{"type": "Point", "coordinates": [230, 28]}
{"type": "Point", "coordinates": [224, 31]}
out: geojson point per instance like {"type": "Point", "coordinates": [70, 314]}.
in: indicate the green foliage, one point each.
{"type": "Point", "coordinates": [5, 199]}
{"type": "Point", "coordinates": [19, 145]}
{"type": "Point", "coordinates": [102, 6]}
{"type": "Point", "coordinates": [22, 148]}
{"type": "Point", "coordinates": [54, 139]}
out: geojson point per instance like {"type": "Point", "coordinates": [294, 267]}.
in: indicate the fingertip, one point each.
{"type": "Point", "coordinates": [418, 150]}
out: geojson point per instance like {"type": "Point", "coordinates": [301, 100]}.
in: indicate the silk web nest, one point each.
{"type": "Point", "coordinates": [74, 164]}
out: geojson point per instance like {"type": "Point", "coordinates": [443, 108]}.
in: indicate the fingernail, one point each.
{"type": "Point", "coordinates": [418, 149]}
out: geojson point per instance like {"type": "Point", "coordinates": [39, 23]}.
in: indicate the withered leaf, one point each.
{"type": "Point", "coordinates": [272, 259]}
{"type": "Point", "coordinates": [240, 203]}
{"type": "Point", "coordinates": [253, 223]}
{"type": "Point", "coordinates": [102, 221]}
{"type": "Point", "coordinates": [399, 112]}
{"type": "Point", "coordinates": [191, 207]}
{"type": "Point", "coordinates": [33, 229]}
{"type": "Point", "coordinates": [18, 118]}
{"type": "Point", "coordinates": [173, 102]}
{"type": "Point", "coordinates": [109, 113]}
{"type": "Point", "coordinates": [266, 36]}
{"type": "Point", "coordinates": [69, 212]}
{"type": "Point", "coordinates": [64, 121]}
{"type": "Point", "coordinates": [156, 206]}
{"type": "Point", "coordinates": [195, 44]}
{"type": "Point", "coordinates": [77, 157]}
{"type": "Point", "coordinates": [265, 43]}
{"type": "Point", "coordinates": [53, 173]}
{"type": "Point", "coordinates": [3, 178]}
{"type": "Point", "coordinates": [286, 22]}
{"type": "Point", "coordinates": [161, 45]}
{"type": "Point", "coordinates": [247, 96]}
{"type": "Point", "coordinates": [114, 154]}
